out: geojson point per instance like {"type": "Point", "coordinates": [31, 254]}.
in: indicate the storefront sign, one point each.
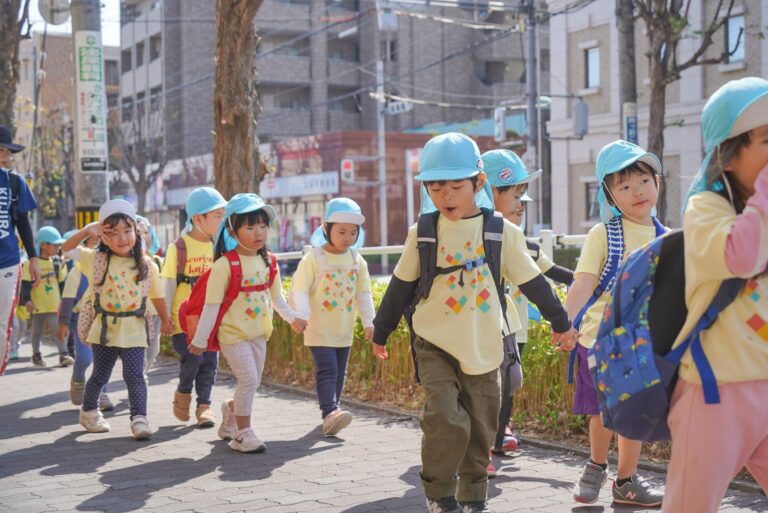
{"type": "Point", "coordinates": [311, 184]}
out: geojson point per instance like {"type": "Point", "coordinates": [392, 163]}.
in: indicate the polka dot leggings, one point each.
{"type": "Point", "coordinates": [104, 359]}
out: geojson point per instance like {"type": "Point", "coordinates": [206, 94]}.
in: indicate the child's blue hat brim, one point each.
{"type": "Point", "coordinates": [241, 204]}
{"type": "Point", "coordinates": [69, 234]}
{"type": "Point", "coordinates": [154, 245]}
{"type": "Point", "coordinates": [451, 156]}
{"type": "Point", "coordinates": [613, 158]}
{"type": "Point", "coordinates": [318, 240]}
{"type": "Point", "coordinates": [505, 168]}
{"type": "Point", "coordinates": [736, 108]}
{"type": "Point", "coordinates": [49, 235]}
{"type": "Point", "coordinates": [343, 210]}
{"type": "Point", "coordinates": [201, 201]}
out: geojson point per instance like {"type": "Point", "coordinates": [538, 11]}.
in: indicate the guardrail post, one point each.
{"type": "Point", "coordinates": [548, 243]}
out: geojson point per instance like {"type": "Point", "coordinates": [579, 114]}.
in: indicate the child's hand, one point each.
{"type": "Point", "coordinates": [94, 230]}
{"type": "Point", "coordinates": [299, 325]}
{"type": "Point", "coordinates": [197, 351]}
{"type": "Point", "coordinates": [167, 327]}
{"type": "Point", "coordinates": [30, 307]}
{"type": "Point", "coordinates": [565, 341]}
{"type": "Point", "coordinates": [62, 331]}
{"type": "Point", "coordinates": [369, 333]}
{"type": "Point", "coordinates": [380, 351]}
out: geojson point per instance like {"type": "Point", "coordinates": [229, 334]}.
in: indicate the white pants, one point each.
{"type": "Point", "coordinates": [246, 359]}
{"type": "Point", "coordinates": [154, 346]}
{"type": "Point", "coordinates": [9, 283]}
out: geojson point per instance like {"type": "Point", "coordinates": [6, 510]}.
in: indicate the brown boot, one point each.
{"type": "Point", "coordinates": [181, 405]}
{"type": "Point", "coordinates": [205, 416]}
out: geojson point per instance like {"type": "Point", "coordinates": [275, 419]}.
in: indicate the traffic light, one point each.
{"type": "Point", "coordinates": [347, 170]}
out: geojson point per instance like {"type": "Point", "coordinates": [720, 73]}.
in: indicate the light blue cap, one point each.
{"type": "Point", "coordinates": [201, 201]}
{"type": "Point", "coordinates": [505, 168]}
{"type": "Point", "coordinates": [241, 204]}
{"type": "Point", "coordinates": [154, 245]}
{"type": "Point", "coordinates": [613, 158]}
{"type": "Point", "coordinates": [69, 234]}
{"type": "Point", "coordinates": [49, 235]}
{"type": "Point", "coordinates": [451, 156]}
{"type": "Point", "coordinates": [737, 107]}
{"type": "Point", "coordinates": [340, 210]}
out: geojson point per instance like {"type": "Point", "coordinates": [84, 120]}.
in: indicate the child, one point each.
{"type": "Point", "coordinates": [122, 281]}
{"type": "Point", "coordinates": [509, 180]}
{"type": "Point", "coordinates": [75, 289]}
{"type": "Point", "coordinates": [43, 300]}
{"type": "Point", "coordinates": [328, 283]}
{"type": "Point", "coordinates": [151, 246]}
{"type": "Point", "coordinates": [725, 227]}
{"type": "Point", "coordinates": [629, 187]}
{"type": "Point", "coordinates": [458, 324]}
{"type": "Point", "coordinates": [247, 324]}
{"type": "Point", "coordinates": [186, 259]}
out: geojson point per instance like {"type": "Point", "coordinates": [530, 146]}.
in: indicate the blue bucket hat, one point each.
{"type": "Point", "coordinates": [241, 204]}
{"type": "Point", "coordinates": [340, 210]}
{"type": "Point", "coordinates": [505, 168]}
{"type": "Point", "coordinates": [451, 156]}
{"type": "Point", "coordinates": [48, 235]}
{"type": "Point", "coordinates": [613, 158]}
{"type": "Point", "coordinates": [201, 201]}
{"type": "Point", "coordinates": [69, 234]}
{"type": "Point", "coordinates": [736, 108]}
{"type": "Point", "coordinates": [154, 245]}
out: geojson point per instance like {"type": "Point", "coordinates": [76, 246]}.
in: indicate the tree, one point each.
{"type": "Point", "coordinates": [140, 154]}
{"type": "Point", "coordinates": [14, 26]}
{"type": "Point", "coordinates": [235, 100]}
{"type": "Point", "coordinates": [667, 23]}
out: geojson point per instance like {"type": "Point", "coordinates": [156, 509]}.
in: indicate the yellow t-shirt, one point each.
{"type": "Point", "coordinates": [250, 315]}
{"type": "Point", "coordinates": [120, 292]}
{"type": "Point", "coordinates": [520, 302]}
{"type": "Point", "coordinates": [593, 257]}
{"type": "Point", "coordinates": [737, 343]}
{"type": "Point", "coordinates": [332, 298]}
{"type": "Point", "coordinates": [199, 260]}
{"type": "Point", "coordinates": [466, 321]}
{"type": "Point", "coordinates": [72, 285]}
{"type": "Point", "coordinates": [46, 296]}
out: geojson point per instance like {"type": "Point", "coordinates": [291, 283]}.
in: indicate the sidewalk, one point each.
{"type": "Point", "coordinates": [48, 463]}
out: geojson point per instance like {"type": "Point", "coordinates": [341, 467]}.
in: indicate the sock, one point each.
{"type": "Point", "coordinates": [603, 466]}
{"type": "Point", "coordinates": [622, 482]}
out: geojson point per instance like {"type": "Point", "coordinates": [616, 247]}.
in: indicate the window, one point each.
{"type": "Point", "coordinates": [125, 60]}
{"type": "Point", "coordinates": [592, 68]}
{"type": "Point", "coordinates": [155, 99]}
{"type": "Point", "coordinates": [128, 13]}
{"type": "Point", "coordinates": [593, 207]}
{"type": "Point", "coordinates": [734, 38]}
{"type": "Point", "coordinates": [112, 100]}
{"type": "Point", "coordinates": [127, 109]}
{"type": "Point", "coordinates": [111, 76]}
{"type": "Point", "coordinates": [155, 47]}
{"type": "Point", "coordinates": [139, 54]}
{"type": "Point", "coordinates": [389, 51]}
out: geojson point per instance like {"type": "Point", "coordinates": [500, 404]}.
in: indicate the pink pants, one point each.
{"type": "Point", "coordinates": [712, 442]}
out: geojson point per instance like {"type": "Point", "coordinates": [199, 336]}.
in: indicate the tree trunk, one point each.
{"type": "Point", "coordinates": [235, 96]}
{"type": "Point", "coordinates": [12, 19]}
{"type": "Point", "coordinates": [656, 138]}
{"type": "Point", "coordinates": [626, 28]}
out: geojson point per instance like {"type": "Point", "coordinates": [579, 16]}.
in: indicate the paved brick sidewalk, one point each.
{"type": "Point", "coordinates": [48, 463]}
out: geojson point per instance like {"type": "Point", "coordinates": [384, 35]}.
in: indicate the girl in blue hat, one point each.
{"type": "Point", "coordinates": [329, 284]}
{"type": "Point", "coordinates": [246, 325]}
{"type": "Point", "coordinates": [186, 260]}
{"type": "Point", "coordinates": [725, 225]}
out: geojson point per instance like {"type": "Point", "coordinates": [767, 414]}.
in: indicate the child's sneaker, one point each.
{"type": "Point", "coordinates": [491, 470]}
{"type": "Point", "coordinates": [637, 492]}
{"type": "Point", "coordinates": [205, 416]}
{"type": "Point", "coordinates": [140, 427]}
{"type": "Point", "coordinates": [336, 421]}
{"type": "Point", "coordinates": [245, 440]}
{"type": "Point", "coordinates": [13, 354]}
{"type": "Point", "coordinates": [181, 403]}
{"type": "Point", "coordinates": [588, 488]}
{"type": "Point", "coordinates": [105, 404]}
{"type": "Point", "coordinates": [442, 505]}
{"type": "Point", "coordinates": [228, 426]}
{"type": "Point", "coordinates": [37, 360]}
{"type": "Point", "coordinates": [509, 444]}
{"type": "Point", "coordinates": [76, 392]}
{"type": "Point", "coordinates": [474, 507]}
{"type": "Point", "coordinates": [93, 421]}
{"type": "Point", "coordinates": [65, 360]}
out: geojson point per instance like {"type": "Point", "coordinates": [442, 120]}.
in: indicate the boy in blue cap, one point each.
{"type": "Point", "coordinates": [42, 300]}
{"type": "Point", "coordinates": [186, 259]}
{"type": "Point", "coordinates": [629, 186]}
{"type": "Point", "coordinates": [457, 320]}
{"type": "Point", "coordinates": [509, 181]}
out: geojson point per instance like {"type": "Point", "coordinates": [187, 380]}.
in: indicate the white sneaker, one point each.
{"type": "Point", "coordinates": [335, 422]}
{"type": "Point", "coordinates": [228, 426]}
{"type": "Point", "coordinates": [245, 440]}
{"type": "Point", "coordinates": [140, 427]}
{"type": "Point", "coordinates": [105, 404]}
{"type": "Point", "coordinates": [93, 421]}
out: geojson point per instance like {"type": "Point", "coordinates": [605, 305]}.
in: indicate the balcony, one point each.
{"type": "Point", "coordinates": [343, 73]}
{"type": "Point", "coordinates": [283, 17]}
{"type": "Point", "coordinates": [284, 123]}
{"type": "Point", "coordinates": [283, 69]}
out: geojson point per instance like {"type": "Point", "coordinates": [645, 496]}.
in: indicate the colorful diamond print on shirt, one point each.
{"type": "Point", "coordinates": [750, 290]}
{"type": "Point", "coordinates": [327, 291]}
{"type": "Point", "coordinates": [451, 281]}
{"type": "Point", "coordinates": [468, 246]}
{"type": "Point", "coordinates": [480, 251]}
{"type": "Point", "coordinates": [330, 305]}
{"type": "Point", "coordinates": [518, 296]}
{"type": "Point", "coordinates": [456, 305]}
{"type": "Point", "coordinates": [482, 301]}
{"type": "Point", "coordinates": [253, 313]}
{"type": "Point", "coordinates": [758, 324]}
{"type": "Point", "coordinates": [349, 305]}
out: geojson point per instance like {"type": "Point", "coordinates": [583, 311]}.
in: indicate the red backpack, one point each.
{"type": "Point", "coordinates": [192, 307]}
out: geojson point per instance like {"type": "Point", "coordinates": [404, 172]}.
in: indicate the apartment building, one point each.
{"type": "Point", "coordinates": [585, 62]}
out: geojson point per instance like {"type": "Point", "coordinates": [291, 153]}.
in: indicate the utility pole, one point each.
{"type": "Point", "coordinates": [530, 79]}
{"type": "Point", "coordinates": [627, 78]}
{"type": "Point", "coordinates": [382, 134]}
{"type": "Point", "coordinates": [90, 112]}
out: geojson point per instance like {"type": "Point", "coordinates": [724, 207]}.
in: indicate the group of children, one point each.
{"type": "Point", "coordinates": [462, 282]}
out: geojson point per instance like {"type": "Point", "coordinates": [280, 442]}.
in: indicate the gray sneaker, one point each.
{"type": "Point", "coordinates": [474, 507]}
{"type": "Point", "coordinates": [442, 505]}
{"type": "Point", "coordinates": [637, 492]}
{"type": "Point", "coordinates": [588, 488]}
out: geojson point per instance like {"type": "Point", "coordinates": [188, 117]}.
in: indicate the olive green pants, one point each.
{"type": "Point", "coordinates": [458, 422]}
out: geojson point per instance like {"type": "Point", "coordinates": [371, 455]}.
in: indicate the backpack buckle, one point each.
{"type": "Point", "coordinates": [469, 265]}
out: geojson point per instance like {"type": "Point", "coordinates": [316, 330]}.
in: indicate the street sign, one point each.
{"type": "Point", "coordinates": [398, 107]}
{"type": "Point", "coordinates": [630, 122]}
{"type": "Point", "coordinates": [347, 170]}
{"type": "Point", "coordinates": [91, 103]}
{"type": "Point", "coordinates": [499, 124]}
{"type": "Point", "coordinates": [55, 12]}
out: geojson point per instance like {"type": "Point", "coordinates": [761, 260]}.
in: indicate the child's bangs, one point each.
{"type": "Point", "coordinates": [250, 218]}
{"type": "Point", "coordinates": [115, 219]}
{"type": "Point", "coordinates": [638, 168]}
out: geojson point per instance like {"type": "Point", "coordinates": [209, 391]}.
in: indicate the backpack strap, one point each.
{"type": "Point", "coordinates": [426, 243]}
{"type": "Point", "coordinates": [235, 279]}
{"type": "Point", "coordinates": [14, 180]}
{"type": "Point", "coordinates": [181, 263]}
{"type": "Point", "coordinates": [140, 312]}
{"type": "Point", "coordinates": [493, 235]}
